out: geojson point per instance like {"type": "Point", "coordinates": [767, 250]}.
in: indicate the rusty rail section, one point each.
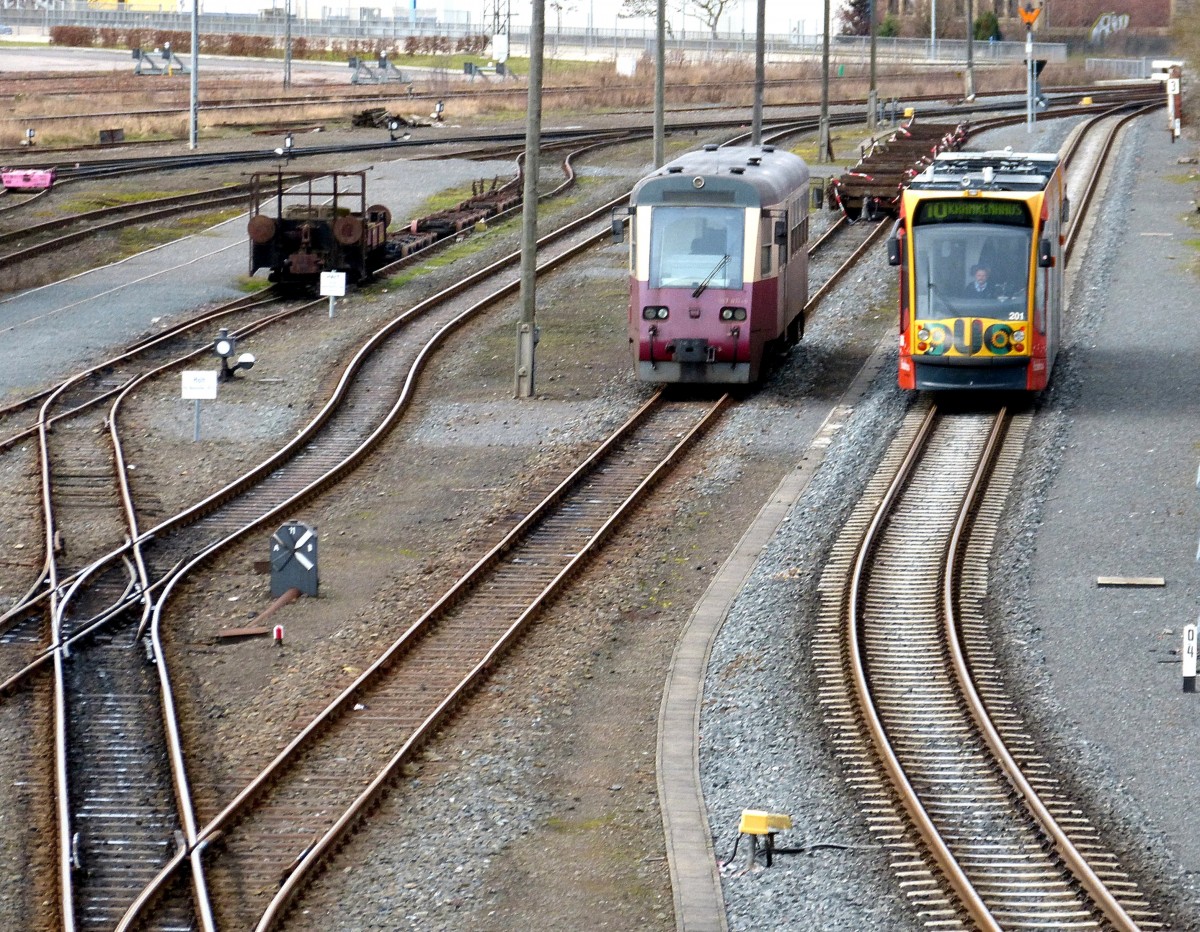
{"type": "Point", "coordinates": [151, 583]}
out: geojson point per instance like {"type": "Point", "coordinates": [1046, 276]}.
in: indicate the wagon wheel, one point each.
{"type": "Point", "coordinates": [347, 230]}
{"type": "Point", "coordinates": [379, 212]}
{"type": "Point", "coordinates": [795, 329]}
{"type": "Point", "coordinates": [261, 229]}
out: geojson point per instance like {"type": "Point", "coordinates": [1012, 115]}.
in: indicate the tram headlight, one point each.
{"type": "Point", "coordinates": [733, 313]}
{"type": "Point", "coordinates": [654, 312]}
{"type": "Point", "coordinates": [923, 335]}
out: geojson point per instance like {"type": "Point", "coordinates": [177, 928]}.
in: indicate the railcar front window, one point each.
{"type": "Point", "coordinates": [687, 243]}
{"type": "Point", "coordinates": [968, 267]}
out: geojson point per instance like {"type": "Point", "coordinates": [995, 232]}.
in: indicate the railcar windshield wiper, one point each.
{"type": "Point", "coordinates": [704, 284]}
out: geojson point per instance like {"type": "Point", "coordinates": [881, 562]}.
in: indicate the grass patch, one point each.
{"type": "Point", "coordinates": [112, 199]}
{"type": "Point", "coordinates": [1194, 246]}
{"type": "Point", "coordinates": [444, 200]}
{"type": "Point", "coordinates": [845, 142]}
{"type": "Point", "coordinates": [471, 244]}
{"type": "Point", "coordinates": [576, 826]}
{"type": "Point", "coordinates": [251, 285]}
{"type": "Point", "coordinates": [134, 239]}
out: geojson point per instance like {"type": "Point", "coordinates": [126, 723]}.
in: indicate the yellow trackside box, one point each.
{"type": "Point", "coordinates": [757, 822]}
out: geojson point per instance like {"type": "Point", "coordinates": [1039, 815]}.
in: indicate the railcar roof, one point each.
{"type": "Point", "coordinates": [998, 170]}
{"type": "Point", "coordinates": [774, 173]}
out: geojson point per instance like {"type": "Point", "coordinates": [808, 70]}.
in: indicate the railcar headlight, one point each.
{"type": "Point", "coordinates": [733, 313]}
{"type": "Point", "coordinates": [923, 335]}
{"type": "Point", "coordinates": [1018, 336]}
{"type": "Point", "coordinates": [654, 312]}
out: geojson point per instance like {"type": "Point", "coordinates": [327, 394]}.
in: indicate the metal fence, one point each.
{"type": "Point", "coordinates": [1119, 67]}
{"type": "Point", "coordinates": [371, 28]}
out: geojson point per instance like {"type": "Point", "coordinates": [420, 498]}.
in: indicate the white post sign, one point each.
{"type": "Point", "coordinates": [199, 384]}
{"type": "Point", "coordinates": [1188, 656]}
{"type": "Point", "coordinates": [334, 285]}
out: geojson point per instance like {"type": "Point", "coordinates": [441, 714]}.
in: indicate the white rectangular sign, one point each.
{"type": "Point", "coordinates": [333, 284]}
{"type": "Point", "coordinates": [200, 384]}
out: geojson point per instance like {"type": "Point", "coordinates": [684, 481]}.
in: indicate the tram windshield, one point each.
{"type": "Point", "coordinates": [972, 258]}
{"type": "Point", "coordinates": [693, 245]}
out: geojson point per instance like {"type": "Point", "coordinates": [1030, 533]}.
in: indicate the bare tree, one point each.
{"type": "Point", "coordinates": [560, 7]}
{"type": "Point", "coordinates": [709, 12]}
{"type": "Point", "coordinates": [642, 9]}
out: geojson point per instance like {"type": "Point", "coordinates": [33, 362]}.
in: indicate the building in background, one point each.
{"type": "Point", "coordinates": [1134, 26]}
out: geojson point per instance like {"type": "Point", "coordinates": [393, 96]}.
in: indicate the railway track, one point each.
{"type": "Point", "coordinates": [294, 814]}
{"type": "Point", "coordinates": [900, 664]}
{"type": "Point", "coordinates": [202, 843]}
{"type": "Point", "coordinates": [111, 617]}
{"type": "Point", "coordinates": [211, 525]}
{"type": "Point", "coordinates": [835, 253]}
{"type": "Point", "coordinates": [104, 219]}
{"type": "Point", "coordinates": [951, 784]}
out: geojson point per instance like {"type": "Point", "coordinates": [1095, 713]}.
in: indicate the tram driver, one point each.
{"type": "Point", "coordinates": [981, 286]}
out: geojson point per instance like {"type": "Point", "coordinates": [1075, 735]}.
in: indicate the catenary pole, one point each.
{"type": "Point", "coordinates": [194, 84]}
{"type": "Point", "coordinates": [823, 147]}
{"type": "Point", "coordinates": [760, 72]}
{"type": "Point", "coordinates": [287, 45]}
{"type": "Point", "coordinates": [970, 88]}
{"type": "Point", "coordinates": [527, 327]}
{"type": "Point", "coordinates": [872, 92]}
{"type": "Point", "coordinates": [660, 85]}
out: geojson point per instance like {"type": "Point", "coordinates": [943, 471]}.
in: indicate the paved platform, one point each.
{"type": "Point", "coordinates": [1123, 502]}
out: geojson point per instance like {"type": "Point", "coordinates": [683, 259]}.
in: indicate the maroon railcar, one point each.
{"type": "Point", "coordinates": [718, 263]}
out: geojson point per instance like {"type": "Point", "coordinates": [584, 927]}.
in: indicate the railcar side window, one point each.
{"type": "Point", "coordinates": [799, 238]}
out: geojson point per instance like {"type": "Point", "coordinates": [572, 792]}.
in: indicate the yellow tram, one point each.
{"type": "Point", "coordinates": [979, 243]}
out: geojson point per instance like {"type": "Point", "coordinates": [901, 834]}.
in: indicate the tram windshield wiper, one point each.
{"type": "Point", "coordinates": [704, 284]}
